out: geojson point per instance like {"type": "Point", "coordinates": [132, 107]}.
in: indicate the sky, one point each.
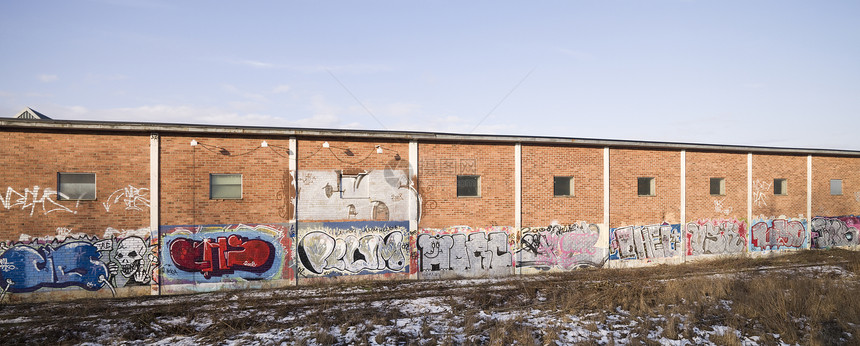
{"type": "Point", "coordinates": [780, 73]}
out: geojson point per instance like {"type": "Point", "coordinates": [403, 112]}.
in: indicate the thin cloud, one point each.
{"type": "Point", "coordinates": [280, 89]}
{"type": "Point", "coordinates": [48, 78]}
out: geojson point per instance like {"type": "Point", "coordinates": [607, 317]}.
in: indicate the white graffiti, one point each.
{"type": "Point", "coordinates": [761, 189]}
{"type": "Point", "coordinates": [724, 237]}
{"type": "Point", "coordinates": [370, 195]}
{"type": "Point", "coordinates": [320, 253]}
{"type": "Point", "coordinates": [829, 232]}
{"type": "Point", "coordinates": [32, 199]}
{"type": "Point", "coordinates": [476, 253]}
{"type": "Point", "coordinates": [640, 242]}
{"type": "Point", "coordinates": [131, 196]}
{"type": "Point", "coordinates": [720, 208]}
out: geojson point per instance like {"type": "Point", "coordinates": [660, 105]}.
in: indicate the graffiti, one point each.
{"type": "Point", "coordinates": [220, 253]}
{"type": "Point", "coordinates": [132, 197]}
{"type": "Point", "coordinates": [719, 208]}
{"type": "Point", "coordinates": [474, 253]}
{"type": "Point", "coordinates": [857, 196]}
{"type": "Point", "coordinates": [777, 234]}
{"type": "Point", "coordinates": [32, 199]}
{"type": "Point", "coordinates": [71, 264]}
{"type": "Point", "coordinates": [563, 247]}
{"type": "Point", "coordinates": [449, 166]}
{"type": "Point", "coordinates": [343, 250]}
{"type": "Point", "coordinates": [837, 231]}
{"type": "Point", "coordinates": [761, 189]}
{"type": "Point", "coordinates": [716, 237]}
{"type": "Point", "coordinates": [120, 259]}
{"type": "Point", "coordinates": [366, 195]}
{"type": "Point", "coordinates": [286, 197]}
{"type": "Point", "coordinates": [644, 242]}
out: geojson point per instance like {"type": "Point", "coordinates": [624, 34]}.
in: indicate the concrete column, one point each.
{"type": "Point", "coordinates": [294, 154]}
{"type": "Point", "coordinates": [606, 187]}
{"type": "Point", "coordinates": [413, 197]}
{"type": "Point", "coordinates": [683, 205]}
{"type": "Point", "coordinates": [808, 243]}
{"type": "Point", "coordinates": [749, 199]}
{"type": "Point", "coordinates": [518, 187]}
{"type": "Point", "coordinates": [154, 196]}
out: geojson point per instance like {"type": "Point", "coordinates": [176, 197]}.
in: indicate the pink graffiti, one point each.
{"type": "Point", "coordinates": [561, 249]}
{"type": "Point", "coordinates": [782, 233]}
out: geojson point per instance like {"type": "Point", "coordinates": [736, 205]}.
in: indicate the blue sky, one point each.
{"type": "Point", "coordinates": [762, 72]}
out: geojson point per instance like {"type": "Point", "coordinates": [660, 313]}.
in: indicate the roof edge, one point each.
{"type": "Point", "coordinates": [95, 126]}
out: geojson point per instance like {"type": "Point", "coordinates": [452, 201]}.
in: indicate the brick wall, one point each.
{"type": "Point", "coordinates": [766, 168]}
{"type": "Point", "coordinates": [626, 206]}
{"type": "Point", "coordinates": [185, 184]}
{"type": "Point", "coordinates": [823, 170]}
{"type": "Point", "coordinates": [384, 180]}
{"type": "Point", "coordinates": [541, 164]}
{"type": "Point", "coordinates": [701, 167]}
{"type": "Point", "coordinates": [33, 159]}
{"type": "Point", "coordinates": [439, 165]}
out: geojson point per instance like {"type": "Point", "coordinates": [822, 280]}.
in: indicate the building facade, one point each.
{"type": "Point", "coordinates": [104, 209]}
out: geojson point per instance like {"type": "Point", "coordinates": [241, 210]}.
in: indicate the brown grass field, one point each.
{"type": "Point", "coordinates": [803, 297]}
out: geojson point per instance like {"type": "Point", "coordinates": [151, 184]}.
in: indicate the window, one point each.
{"type": "Point", "coordinates": [76, 186]}
{"type": "Point", "coordinates": [718, 186]}
{"type": "Point", "coordinates": [468, 186]}
{"type": "Point", "coordinates": [835, 186]}
{"type": "Point", "coordinates": [562, 186]}
{"type": "Point", "coordinates": [646, 187]}
{"type": "Point", "coordinates": [225, 186]}
{"type": "Point", "coordinates": [780, 187]}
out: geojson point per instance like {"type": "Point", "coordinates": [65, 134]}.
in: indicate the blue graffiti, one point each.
{"type": "Point", "coordinates": [25, 269]}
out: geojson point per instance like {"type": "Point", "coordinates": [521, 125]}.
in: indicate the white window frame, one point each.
{"type": "Point", "coordinates": [66, 196]}
{"type": "Point", "coordinates": [241, 185]}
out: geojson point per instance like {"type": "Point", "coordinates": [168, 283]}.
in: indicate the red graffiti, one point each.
{"type": "Point", "coordinates": [222, 255]}
{"type": "Point", "coordinates": [782, 233]}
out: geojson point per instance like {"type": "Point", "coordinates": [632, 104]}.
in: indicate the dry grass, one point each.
{"type": "Point", "coordinates": [801, 306]}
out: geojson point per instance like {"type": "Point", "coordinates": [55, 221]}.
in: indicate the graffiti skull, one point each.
{"type": "Point", "coordinates": [129, 253]}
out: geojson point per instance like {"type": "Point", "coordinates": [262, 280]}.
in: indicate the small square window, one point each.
{"type": "Point", "coordinates": [468, 186]}
{"type": "Point", "coordinates": [646, 186]}
{"type": "Point", "coordinates": [835, 186]}
{"type": "Point", "coordinates": [562, 186]}
{"type": "Point", "coordinates": [76, 186]}
{"type": "Point", "coordinates": [780, 187]}
{"type": "Point", "coordinates": [225, 186]}
{"type": "Point", "coordinates": [718, 186]}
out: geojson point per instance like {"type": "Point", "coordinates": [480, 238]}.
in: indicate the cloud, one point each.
{"type": "Point", "coordinates": [280, 89]}
{"type": "Point", "coordinates": [256, 64]}
{"type": "Point", "coordinates": [355, 68]}
{"type": "Point", "coordinates": [47, 78]}
{"type": "Point", "coordinates": [245, 94]}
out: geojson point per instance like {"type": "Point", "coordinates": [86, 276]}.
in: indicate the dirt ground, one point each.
{"type": "Point", "coordinates": [803, 297]}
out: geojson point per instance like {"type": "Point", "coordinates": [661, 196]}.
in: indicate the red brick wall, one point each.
{"type": "Point", "coordinates": [626, 206]}
{"type": "Point", "coordinates": [31, 159]}
{"type": "Point", "coordinates": [185, 180]}
{"type": "Point", "coordinates": [826, 168]}
{"type": "Point", "coordinates": [439, 165]}
{"type": "Point", "coordinates": [392, 163]}
{"type": "Point", "coordinates": [766, 168]}
{"type": "Point", "coordinates": [540, 164]}
{"type": "Point", "coordinates": [701, 167]}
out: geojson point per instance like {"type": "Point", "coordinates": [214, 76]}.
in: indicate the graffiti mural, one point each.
{"type": "Point", "coordinates": [119, 259]}
{"type": "Point", "coordinates": [225, 253]}
{"type": "Point", "coordinates": [761, 191]}
{"type": "Point", "coordinates": [835, 231]}
{"type": "Point", "coordinates": [353, 248]}
{"type": "Point", "coordinates": [380, 195]}
{"type": "Point", "coordinates": [712, 237]}
{"type": "Point", "coordinates": [42, 199]}
{"type": "Point", "coordinates": [561, 247]}
{"type": "Point", "coordinates": [644, 242]}
{"type": "Point", "coordinates": [777, 234]}
{"type": "Point", "coordinates": [462, 251]}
